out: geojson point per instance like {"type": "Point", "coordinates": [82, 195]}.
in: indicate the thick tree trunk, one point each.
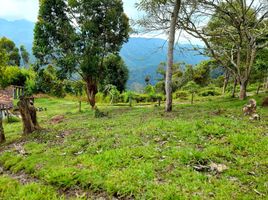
{"type": "Point", "coordinates": [28, 114]}
{"type": "Point", "coordinates": [91, 92]}
{"type": "Point", "coordinates": [243, 90]}
{"type": "Point", "coordinates": [234, 89]}
{"type": "Point", "coordinates": [171, 38]}
{"type": "Point", "coordinates": [2, 134]}
{"type": "Point", "coordinates": [226, 81]}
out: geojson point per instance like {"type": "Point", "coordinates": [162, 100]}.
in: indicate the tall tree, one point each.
{"type": "Point", "coordinates": [11, 51]}
{"type": "Point", "coordinates": [115, 72]}
{"type": "Point", "coordinates": [24, 55]}
{"type": "Point", "coordinates": [232, 35]}
{"type": "Point", "coordinates": [162, 15]}
{"type": "Point", "coordinates": [78, 35]}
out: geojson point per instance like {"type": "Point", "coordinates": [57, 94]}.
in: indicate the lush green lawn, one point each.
{"type": "Point", "coordinates": [140, 153]}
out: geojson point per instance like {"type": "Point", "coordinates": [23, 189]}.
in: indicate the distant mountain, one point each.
{"type": "Point", "coordinates": [20, 31]}
{"type": "Point", "coordinates": [142, 55]}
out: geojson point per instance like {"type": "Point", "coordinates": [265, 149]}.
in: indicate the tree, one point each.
{"type": "Point", "coordinates": [163, 15]}
{"type": "Point", "coordinates": [113, 92]}
{"type": "Point", "coordinates": [192, 87]}
{"type": "Point", "coordinates": [12, 75]}
{"type": "Point", "coordinates": [24, 55]}
{"type": "Point", "coordinates": [115, 72]}
{"type": "Point", "coordinates": [78, 35]}
{"type": "Point", "coordinates": [233, 34]}
{"type": "Point", "coordinates": [260, 71]}
{"type": "Point", "coordinates": [201, 73]}
{"type": "Point", "coordinates": [11, 51]}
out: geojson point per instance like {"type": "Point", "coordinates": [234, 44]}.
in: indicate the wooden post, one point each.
{"type": "Point", "coordinates": [15, 92]}
{"type": "Point", "coordinates": [2, 134]}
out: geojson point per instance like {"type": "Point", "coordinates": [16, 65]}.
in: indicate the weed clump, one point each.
{"type": "Point", "coordinates": [99, 114]}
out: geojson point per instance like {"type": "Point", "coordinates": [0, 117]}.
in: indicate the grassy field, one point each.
{"type": "Point", "coordinates": [138, 153]}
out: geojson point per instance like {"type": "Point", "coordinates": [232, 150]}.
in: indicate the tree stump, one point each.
{"type": "Point", "coordinates": [28, 114]}
{"type": "Point", "coordinates": [2, 134]}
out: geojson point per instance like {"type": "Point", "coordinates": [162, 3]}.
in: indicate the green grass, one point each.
{"type": "Point", "coordinates": [141, 152]}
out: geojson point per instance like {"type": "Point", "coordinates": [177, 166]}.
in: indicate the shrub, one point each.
{"type": "Point", "coordinates": [181, 94]}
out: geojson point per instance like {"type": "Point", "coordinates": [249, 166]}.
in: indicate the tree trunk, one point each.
{"type": "Point", "coordinates": [234, 89]}
{"type": "Point", "coordinates": [2, 134]}
{"type": "Point", "coordinates": [243, 90]}
{"type": "Point", "coordinates": [258, 89]}
{"type": "Point", "coordinates": [226, 81]}
{"type": "Point", "coordinates": [266, 84]}
{"type": "Point", "coordinates": [171, 38]}
{"type": "Point", "coordinates": [80, 106]}
{"type": "Point", "coordinates": [91, 92]}
{"type": "Point", "coordinates": [28, 114]}
{"type": "Point", "coordinates": [192, 99]}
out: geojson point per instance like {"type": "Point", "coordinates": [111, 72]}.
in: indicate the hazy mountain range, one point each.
{"type": "Point", "coordinates": [142, 55]}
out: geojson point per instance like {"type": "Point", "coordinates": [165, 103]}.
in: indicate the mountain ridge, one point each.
{"type": "Point", "coordinates": [141, 55]}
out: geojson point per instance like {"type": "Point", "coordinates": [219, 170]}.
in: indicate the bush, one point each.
{"type": "Point", "coordinates": [181, 94]}
{"type": "Point", "coordinates": [12, 75]}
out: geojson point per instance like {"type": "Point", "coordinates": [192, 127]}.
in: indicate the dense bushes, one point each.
{"type": "Point", "coordinates": [12, 75]}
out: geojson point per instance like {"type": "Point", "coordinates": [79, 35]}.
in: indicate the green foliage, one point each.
{"type": "Point", "coordinates": [210, 91]}
{"type": "Point", "coordinates": [78, 35]}
{"type": "Point", "coordinates": [12, 119]}
{"type": "Point", "coordinates": [192, 87]}
{"type": "Point", "coordinates": [11, 51]}
{"type": "Point", "coordinates": [180, 94]}
{"type": "Point", "coordinates": [49, 83]}
{"type": "Point", "coordinates": [202, 73]}
{"type": "Point", "coordinates": [12, 75]}
{"type": "Point", "coordinates": [115, 73]}
{"type": "Point", "coordinates": [113, 93]}
{"type": "Point", "coordinates": [25, 56]}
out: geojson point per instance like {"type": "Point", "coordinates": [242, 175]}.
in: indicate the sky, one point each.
{"type": "Point", "coordinates": [28, 9]}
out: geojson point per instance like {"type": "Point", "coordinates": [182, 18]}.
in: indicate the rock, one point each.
{"type": "Point", "coordinates": [219, 168]}
{"type": "Point", "coordinates": [255, 117]}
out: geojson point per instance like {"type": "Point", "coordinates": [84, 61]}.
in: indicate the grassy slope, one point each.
{"type": "Point", "coordinates": [141, 152]}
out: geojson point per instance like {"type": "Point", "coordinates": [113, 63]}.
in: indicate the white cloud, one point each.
{"type": "Point", "coordinates": [28, 9]}
{"type": "Point", "coordinates": [19, 9]}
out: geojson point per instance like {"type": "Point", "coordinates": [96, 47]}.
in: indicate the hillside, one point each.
{"type": "Point", "coordinates": [142, 55]}
{"type": "Point", "coordinates": [197, 152]}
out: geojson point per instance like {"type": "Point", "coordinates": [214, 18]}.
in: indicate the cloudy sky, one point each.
{"type": "Point", "coordinates": [28, 9]}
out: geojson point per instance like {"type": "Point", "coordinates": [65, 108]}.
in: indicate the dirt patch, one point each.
{"type": "Point", "coordinates": [57, 119]}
